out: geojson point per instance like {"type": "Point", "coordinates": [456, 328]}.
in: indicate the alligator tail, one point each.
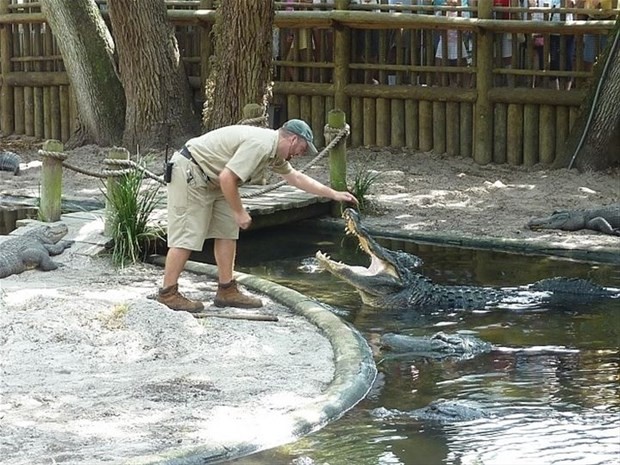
{"type": "Point", "coordinates": [572, 286]}
{"type": "Point", "coordinates": [9, 161]}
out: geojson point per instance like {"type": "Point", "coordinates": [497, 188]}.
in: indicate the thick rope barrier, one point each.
{"type": "Point", "coordinates": [332, 134]}
{"type": "Point", "coordinates": [106, 173]}
{"type": "Point", "coordinates": [258, 121]}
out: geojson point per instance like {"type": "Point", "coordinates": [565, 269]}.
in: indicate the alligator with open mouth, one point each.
{"type": "Point", "coordinates": [391, 281]}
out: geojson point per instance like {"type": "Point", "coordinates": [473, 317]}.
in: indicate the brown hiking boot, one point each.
{"type": "Point", "coordinates": [173, 299]}
{"type": "Point", "coordinates": [228, 295]}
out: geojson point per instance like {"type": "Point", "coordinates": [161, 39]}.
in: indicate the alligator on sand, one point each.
{"type": "Point", "coordinates": [603, 219]}
{"type": "Point", "coordinates": [32, 249]}
{"type": "Point", "coordinates": [392, 282]}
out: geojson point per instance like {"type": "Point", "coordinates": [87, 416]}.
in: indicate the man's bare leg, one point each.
{"type": "Point", "coordinates": [175, 262]}
{"type": "Point", "coordinates": [225, 251]}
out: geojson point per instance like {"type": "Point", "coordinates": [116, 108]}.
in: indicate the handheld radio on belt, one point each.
{"type": "Point", "coordinates": [167, 168]}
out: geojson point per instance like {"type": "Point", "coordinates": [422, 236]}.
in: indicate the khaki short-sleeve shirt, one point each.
{"type": "Point", "coordinates": [245, 150]}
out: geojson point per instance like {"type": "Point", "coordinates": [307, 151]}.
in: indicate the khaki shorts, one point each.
{"type": "Point", "coordinates": [197, 210]}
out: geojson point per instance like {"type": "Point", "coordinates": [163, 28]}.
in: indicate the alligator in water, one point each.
{"type": "Point", "coordinates": [9, 161]}
{"type": "Point", "coordinates": [32, 249]}
{"type": "Point", "coordinates": [603, 219]}
{"type": "Point", "coordinates": [438, 346]}
{"type": "Point", "coordinates": [443, 411]}
{"type": "Point", "coordinates": [391, 281]}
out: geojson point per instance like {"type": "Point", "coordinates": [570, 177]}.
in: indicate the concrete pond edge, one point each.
{"type": "Point", "coordinates": [354, 372]}
{"type": "Point", "coordinates": [600, 254]}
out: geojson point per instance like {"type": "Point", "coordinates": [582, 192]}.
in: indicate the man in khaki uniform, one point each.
{"type": "Point", "coordinates": [204, 200]}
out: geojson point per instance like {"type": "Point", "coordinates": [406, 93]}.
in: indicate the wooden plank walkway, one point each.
{"type": "Point", "coordinates": [287, 204]}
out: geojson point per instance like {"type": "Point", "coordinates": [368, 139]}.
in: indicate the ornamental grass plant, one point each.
{"type": "Point", "coordinates": [363, 180]}
{"type": "Point", "coordinates": [132, 205]}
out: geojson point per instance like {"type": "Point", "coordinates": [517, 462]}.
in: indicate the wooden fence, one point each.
{"type": "Point", "coordinates": [468, 81]}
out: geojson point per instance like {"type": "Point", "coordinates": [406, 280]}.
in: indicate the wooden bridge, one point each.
{"type": "Point", "coordinates": [286, 204]}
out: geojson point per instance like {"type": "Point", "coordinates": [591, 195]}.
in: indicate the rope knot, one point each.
{"type": "Point", "coordinates": [57, 155]}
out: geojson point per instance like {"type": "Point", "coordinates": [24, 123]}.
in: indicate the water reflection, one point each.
{"type": "Point", "coordinates": [550, 387]}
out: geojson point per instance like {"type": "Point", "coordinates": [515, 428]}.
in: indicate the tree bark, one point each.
{"type": "Point", "coordinates": [87, 50]}
{"type": "Point", "coordinates": [159, 99]}
{"type": "Point", "coordinates": [594, 145]}
{"type": "Point", "coordinates": [241, 70]}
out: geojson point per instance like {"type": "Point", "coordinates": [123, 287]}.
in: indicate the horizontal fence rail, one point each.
{"type": "Point", "coordinates": [497, 84]}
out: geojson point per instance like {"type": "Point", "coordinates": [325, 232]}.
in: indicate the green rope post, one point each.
{"type": "Point", "coordinates": [51, 183]}
{"type": "Point", "coordinates": [336, 119]}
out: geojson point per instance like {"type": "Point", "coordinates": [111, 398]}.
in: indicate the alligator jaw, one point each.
{"type": "Point", "coordinates": [380, 262]}
{"type": "Point", "coordinates": [371, 282]}
{"type": "Point", "coordinates": [377, 267]}
{"type": "Point", "coordinates": [379, 277]}
{"type": "Point", "coordinates": [381, 268]}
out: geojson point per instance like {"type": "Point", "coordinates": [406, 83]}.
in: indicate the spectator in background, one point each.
{"type": "Point", "coordinates": [559, 61]}
{"type": "Point", "coordinates": [605, 11]}
{"type": "Point", "coordinates": [300, 44]}
{"type": "Point", "coordinates": [506, 38]}
{"type": "Point", "coordinates": [538, 40]}
{"type": "Point", "coordinates": [367, 45]}
{"type": "Point", "coordinates": [455, 48]}
{"type": "Point", "coordinates": [400, 39]}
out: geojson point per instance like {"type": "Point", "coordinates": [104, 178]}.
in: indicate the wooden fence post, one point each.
{"type": "Point", "coordinates": [6, 91]}
{"type": "Point", "coordinates": [206, 47]}
{"type": "Point", "coordinates": [115, 153]}
{"type": "Point", "coordinates": [341, 60]}
{"type": "Point", "coordinates": [51, 183]}
{"type": "Point", "coordinates": [483, 113]}
{"type": "Point", "coordinates": [336, 119]}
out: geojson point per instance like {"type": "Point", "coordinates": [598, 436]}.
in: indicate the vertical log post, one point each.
{"type": "Point", "coordinates": [483, 113]}
{"type": "Point", "coordinates": [531, 131]}
{"type": "Point", "coordinates": [336, 119]}
{"type": "Point", "coordinates": [6, 91]}
{"type": "Point", "coordinates": [341, 59]}
{"type": "Point", "coordinates": [115, 153]}
{"type": "Point", "coordinates": [206, 47]}
{"type": "Point", "coordinates": [51, 183]}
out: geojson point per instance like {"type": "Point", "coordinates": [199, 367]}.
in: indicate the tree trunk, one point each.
{"type": "Point", "coordinates": [241, 71]}
{"type": "Point", "coordinates": [599, 149]}
{"type": "Point", "coordinates": [87, 50]}
{"type": "Point", "coordinates": [159, 99]}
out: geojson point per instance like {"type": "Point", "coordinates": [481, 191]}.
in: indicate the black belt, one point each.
{"type": "Point", "coordinates": [187, 154]}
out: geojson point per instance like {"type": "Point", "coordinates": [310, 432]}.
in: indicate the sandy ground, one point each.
{"type": "Point", "coordinates": [413, 190]}
{"type": "Point", "coordinates": [93, 372]}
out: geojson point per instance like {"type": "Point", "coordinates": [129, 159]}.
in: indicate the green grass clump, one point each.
{"type": "Point", "coordinates": [363, 180]}
{"type": "Point", "coordinates": [132, 206]}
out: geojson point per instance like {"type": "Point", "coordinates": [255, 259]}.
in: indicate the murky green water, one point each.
{"type": "Point", "coordinates": [551, 390]}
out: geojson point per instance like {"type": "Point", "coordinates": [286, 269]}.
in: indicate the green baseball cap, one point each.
{"type": "Point", "coordinates": [301, 128]}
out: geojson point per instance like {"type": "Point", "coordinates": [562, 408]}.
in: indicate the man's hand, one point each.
{"type": "Point", "coordinates": [229, 185]}
{"type": "Point", "coordinates": [345, 197]}
{"type": "Point", "coordinates": [243, 219]}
